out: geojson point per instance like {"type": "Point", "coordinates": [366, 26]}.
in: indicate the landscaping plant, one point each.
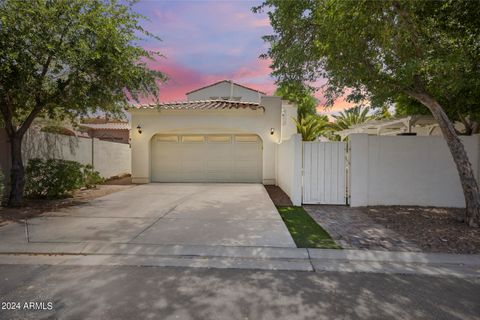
{"type": "Point", "coordinates": [55, 178]}
{"type": "Point", "coordinates": [68, 58]}
{"type": "Point", "coordinates": [378, 51]}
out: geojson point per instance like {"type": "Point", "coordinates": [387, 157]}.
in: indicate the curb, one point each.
{"type": "Point", "coordinates": [228, 257]}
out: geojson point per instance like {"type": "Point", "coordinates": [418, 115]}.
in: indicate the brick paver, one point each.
{"type": "Point", "coordinates": [352, 229]}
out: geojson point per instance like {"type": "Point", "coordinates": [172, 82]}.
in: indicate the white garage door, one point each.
{"type": "Point", "coordinates": [206, 158]}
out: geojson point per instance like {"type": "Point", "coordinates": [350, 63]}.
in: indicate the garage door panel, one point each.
{"type": "Point", "coordinates": [204, 158]}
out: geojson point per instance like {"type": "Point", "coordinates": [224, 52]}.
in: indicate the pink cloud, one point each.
{"type": "Point", "coordinates": [250, 20]}
{"type": "Point", "coordinates": [182, 79]}
{"type": "Point", "coordinates": [254, 74]}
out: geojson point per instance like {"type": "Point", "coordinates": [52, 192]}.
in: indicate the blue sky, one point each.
{"type": "Point", "coordinates": [207, 41]}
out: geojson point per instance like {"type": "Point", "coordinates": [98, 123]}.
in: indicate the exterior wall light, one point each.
{"type": "Point", "coordinates": [139, 128]}
{"type": "Point", "coordinates": [272, 131]}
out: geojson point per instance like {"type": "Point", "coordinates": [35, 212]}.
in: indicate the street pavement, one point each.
{"type": "Point", "coordinates": [133, 292]}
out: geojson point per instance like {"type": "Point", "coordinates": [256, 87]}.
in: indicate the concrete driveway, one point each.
{"type": "Point", "coordinates": [165, 214]}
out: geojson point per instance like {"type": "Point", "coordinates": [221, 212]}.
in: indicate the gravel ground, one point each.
{"type": "Point", "coordinates": [431, 229]}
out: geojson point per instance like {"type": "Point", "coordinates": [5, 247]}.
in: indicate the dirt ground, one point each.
{"type": "Point", "coordinates": [431, 229]}
{"type": "Point", "coordinates": [33, 208]}
{"type": "Point", "coordinates": [278, 196]}
{"type": "Point", "coordinates": [428, 228]}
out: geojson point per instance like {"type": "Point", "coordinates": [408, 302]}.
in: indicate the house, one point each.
{"type": "Point", "coordinates": [224, 132]}
{"type": "Point", "coordinates": [106, 129]}
{"type": "Point", "coordinates": [225, 90]}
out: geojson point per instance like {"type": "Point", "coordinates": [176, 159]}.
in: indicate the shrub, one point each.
{"type": "Point", "coordinates": [54, 178]}
{"type": "Point", "coordinates": [91, 177]}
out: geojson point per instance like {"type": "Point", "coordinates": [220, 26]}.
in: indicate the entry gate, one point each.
{"type": "Point", "coordinates": [324, 178]}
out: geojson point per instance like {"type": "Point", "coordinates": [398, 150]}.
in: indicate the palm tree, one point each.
{"type": "Point", "coordinates": [350, 117]}
{"type": "Point", "coordinates": [311, 126]}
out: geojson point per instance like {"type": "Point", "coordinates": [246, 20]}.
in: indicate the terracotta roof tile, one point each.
{"type": "Point", "coordinates": [107, 126]}
{"type": "Point", "coordinates": [202, 105]}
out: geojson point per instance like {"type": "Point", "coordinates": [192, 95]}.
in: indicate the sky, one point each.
{"type": "Point", "coordinates": [205, 41]}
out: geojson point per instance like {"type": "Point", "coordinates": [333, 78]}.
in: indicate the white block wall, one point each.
{"type": "Point", "coordinates": [406, 170]}
{"type": "Point", "coordinates": [289, 168]}
{"type": "Point", "coordinates": [108, 158]}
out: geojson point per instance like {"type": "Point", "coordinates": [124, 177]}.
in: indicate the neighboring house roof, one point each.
{"type": "Point", "coordinates": [203, 105]}
{"type": "Point", "coordinates": [229, 81]}
{"type": "Point", "coordinates": [107, 126]}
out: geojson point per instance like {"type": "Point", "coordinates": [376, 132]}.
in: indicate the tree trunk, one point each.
{"type": "Point", "coordinates": [464, 167]}
{"type": "Point", "coordinates": [17, 171]}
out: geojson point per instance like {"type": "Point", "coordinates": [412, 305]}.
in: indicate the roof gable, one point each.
{"type": "Point", "coordinates": [229, 82]}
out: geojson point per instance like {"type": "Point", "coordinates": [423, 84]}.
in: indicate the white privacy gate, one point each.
{"type": "Point", "coordinates": [324, 178]}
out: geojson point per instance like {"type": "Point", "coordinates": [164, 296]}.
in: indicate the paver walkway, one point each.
{"type": "Point", "coordinates": [352, 229]}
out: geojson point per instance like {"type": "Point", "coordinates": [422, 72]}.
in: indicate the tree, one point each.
{"type": "Point", "coordinates": [67, 58]}
{"type": "Point", "coordinates": [459, 109]}
{"type": "Point", "coordinates": [311, 126]}
{"type": "Point", "coordinates": [301, 95]}
{"type": "Point", "coordinates": [350, 117]}
{"type": "Point", "coordinates": [379, 50]}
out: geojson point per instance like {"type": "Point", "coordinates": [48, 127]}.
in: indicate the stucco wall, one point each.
{"type": "Point", "coordinates": [407, 170]}
{"type": "Point", "coordinates": [109, 158]}
{"type": "Point", "coordinates": [112, 158]}
{"type": "Point", "coordinates": [224, 89]}
{"type": "Point", "coordinates": [289, 113]}
{"type": "Point", "coordinates": [121, 136]}
{"type": "Point", "coordinates": [233, 121]}
{"type": "Point", "coordinates": [289, 168]}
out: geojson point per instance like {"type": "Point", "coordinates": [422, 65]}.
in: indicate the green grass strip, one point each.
{"type": "Point", "coordinates": [304, 230]}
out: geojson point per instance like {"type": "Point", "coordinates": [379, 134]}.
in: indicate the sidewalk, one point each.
{"type": "Point", "coordinates": [262, 258]}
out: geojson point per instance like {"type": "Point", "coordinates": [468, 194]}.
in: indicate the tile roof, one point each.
{"type": "Point", "coordinates": [107, 126]}
{"type": "Point", "coordinates": [229, 81]}
{"type": "Point", "coordinates": [202, 105]}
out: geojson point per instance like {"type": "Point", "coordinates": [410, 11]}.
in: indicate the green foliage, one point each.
{"type": "Point", "coordinates": [351, 117]}
{"type": "Point", "coordinates": [300, 95]}
{"type": "Point", "coordinates": [304, 230]}
{"type": "Point", "coordinates": [380, 49]}
{"type": "Point", "coordinates": [91, 177]}
{"type": "Point", "coordinates": [456, 111]}
{"type": "Point", "coordinates": [57, 130]}
{"type": "Point", "coordinates": [311, 126]}
{"type": "Point", "coordinates": [382, 113]}
{"type": "Point", "coordinates": [54, 178]}
{"type": "Point", "coordinates": [66, 59]}
{"type": "Point", "coordinates": [69, 58]}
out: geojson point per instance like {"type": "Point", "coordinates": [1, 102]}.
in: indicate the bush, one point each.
{"type": "Point", "coordinates": [91, 177]}
{"type": "Point", "coordinates": [54, 178]}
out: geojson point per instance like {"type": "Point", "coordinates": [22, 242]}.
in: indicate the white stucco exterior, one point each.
{"type": "Point", "coordinates": [222, 121]}
{"type": "Point", "coordinates": [407, 170]}
{"type": "Point", "coordinates": [226, 90]}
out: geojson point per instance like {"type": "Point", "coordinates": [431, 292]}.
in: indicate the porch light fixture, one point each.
{"type": "Point", "coordinates": [272, 131]}
{"type": "Point", "coordinates": [139, 128]}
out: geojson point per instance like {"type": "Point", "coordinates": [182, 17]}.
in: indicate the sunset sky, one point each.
{"type": "Point", "coordinates": [208, 41]}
